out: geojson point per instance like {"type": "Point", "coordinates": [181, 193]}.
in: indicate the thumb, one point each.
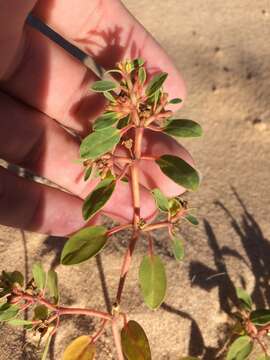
{"type": "Point", "coordinates": [13, 14]}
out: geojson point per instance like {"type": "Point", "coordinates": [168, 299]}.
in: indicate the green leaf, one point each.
{"type": "Point", "coordinates": [8, 311]}
{"type": "Point", "coordinates": [87, 173]}
{"type": "Point", "coordinates": [240, 348]}
{"type": "Point", "coordinates": [106, 120]}
{"type": "Point", "coordinates": [46, 348]}
{"type": "Point", "coordinates": [175, 101]}
{"type": "Point", "coordinates": [19, 322]}
{"type": "Point", "coordinates": [80, 349]}
{"type": "Point", "coordinates": [152, 279]}
{"type": "Point", "coordinates": [98, 197]}
{"type": "Point", "coordinates": [104, 85]}
{"type": "Point", "coordinates": [41, 312]}
{"type": "Point", "coordinates": [125, 179]}
{"type": "Point", "coordinates": [109, 96]}
{"type": "Point", "coordinates": [123, 122]}
{"type": "Point", "coordinates": [99, 142]}
{"type": "Point", "coordinates": [263, 357]}
{"type": "Point", "coordinates": [161, 200]}
{"type": "Point", "coordinates": [260, 317]}
{"type": "Point", "coordinates": [39, 275]}
{"type": "Point", "coordinates": [17, 277]}
{"type": "Point", "coordinates": [52, 285]}
{"type": "Point", "coordinates": [244, 297]}
{"type": "Point", "coordinates": [174, 207]}
{"type": "Point", "coordinates": [85, 244]}
{"type": "Point", "coordinates": [178, 248]}
{"type": "Point", "coordinates": [179, 171]}
{"type": "Point", "coordinates": [138, 62]}
{"type": "Point", "coordinates": [192, 219]}
{"type": "Point", "coordinates": [183, 128]}
{"type": "Point", "coordinates": [156, 83]}
{"type": "Point", "coordinates": [8, 279]}
{"type": "Point", "coordinates": [142, 75]}
{"type": "Point", "coordinates": [134, 342]}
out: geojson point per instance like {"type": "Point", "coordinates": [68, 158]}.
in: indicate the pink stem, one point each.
{"type": "Point", "coordinates": [117, 341]}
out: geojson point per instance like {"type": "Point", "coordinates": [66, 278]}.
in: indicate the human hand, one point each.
{"type": "Point", "coordinates": [42, 87]}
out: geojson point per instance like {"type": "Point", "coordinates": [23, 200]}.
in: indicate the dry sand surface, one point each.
{"type": "Point", "coordinates": [222, 49]}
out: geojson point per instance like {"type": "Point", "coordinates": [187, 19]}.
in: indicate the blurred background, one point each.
{"type": "Point", "coordinates": [222, 50]}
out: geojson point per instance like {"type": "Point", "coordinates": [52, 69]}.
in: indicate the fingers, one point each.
{"type": "Point", "coordinates": [35, 207]}
{"type": "Point", "coordinates": [107, 31]}
{"type": "Point", "coordinates": [38, 143]}
{"type": "Point", "coordinates": [53, 82]}
{"type": "Point", "coordinates": [41, 145]}
{"type": "Point", "coordinates": [11, 32]}
{"type": "Point", "coordinates": [58, 85]}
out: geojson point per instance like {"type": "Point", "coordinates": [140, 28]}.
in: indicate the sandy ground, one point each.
{"type": "Point", "coordinates": [222, 49]}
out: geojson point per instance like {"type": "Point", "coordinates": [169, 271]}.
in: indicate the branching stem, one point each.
{"type": "Point", "coordinates": [134, 170]}
{"type": "Point", "coordinates": [60, 310]}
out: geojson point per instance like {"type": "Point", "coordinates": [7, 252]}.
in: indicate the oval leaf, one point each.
{"type": "Point", "coordinates": [46, 347]}
{"type": "Point", "coordinates": [152, 279]}
{"type": "Point", "coordinates": [174, 206]}
{"type": "Point", "coordinates": [192, 219]}
{"type": "Point", "coordinates": [161, 200]}
{"type": "Point", "coordinates": [83, 245]}
{"type": "Point", "coordinates": [98, 197]}
{"type": "Point", "coordinates": [52, 285]}
{"type": "Point", "coordinates": [179, 171]}
{"type": "Point", "coordinates": [87, 174]}
{"type": "Point", "coordinates": [103, 85]}
{"type": "Point", "coordinates": [41, 312]}
{"type": "Point", "coordinates": [19, 322]}
{"type": "Point", "coordinates": [17, 277]}
{"type": "Point", "coordinates": [175, 101]}
{"type": "Point", "coordinates": [240, 348]}
{"type": "Point", "coordinates": [106, 120]}
{"type": "Point", "coordinates": [39, 276]}
{"type": "Point", "coordinates": [178, 249]}
{"type": "Point", "coordinates": [156, 83]}
{"type": "Point", "coordinates": [244, 297]}
{"type": "Point", "coordinates": [123, 122]}
{"type": "Point", "coordinates": [263, 357]}
{"type": "Point", "coordinates": [8, 311]}
{"type": "Point", "coordinates": [134, 341]}
{"type": "Point", "coordinates": [80, 349]}
{"type": "Point", "coordinates": [109, 96]}
{"type": "Point", "coordinates": [142, 75]}
{"type": "Point", "coordinates": [183, 128]}
{"type": "Point", "coordinates": [99, 142]}
{"type": "Point", "coordinates": [260, 317]}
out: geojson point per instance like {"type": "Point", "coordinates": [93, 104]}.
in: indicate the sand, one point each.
{"type": "Point", "coordinates": [222, 49]}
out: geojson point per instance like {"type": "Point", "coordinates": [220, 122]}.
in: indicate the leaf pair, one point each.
{"type": "Point", "coordinates": [172, 206]}
{"type": "Point", "coordinates": [240, 348]}
{"type": "Point", "coordinates": [134, 342]}
{"type": "Point", "coordinates": [49, 281]}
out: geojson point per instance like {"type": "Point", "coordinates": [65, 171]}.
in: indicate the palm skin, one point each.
{"type": "Point", "coordinates": [42, 87]}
